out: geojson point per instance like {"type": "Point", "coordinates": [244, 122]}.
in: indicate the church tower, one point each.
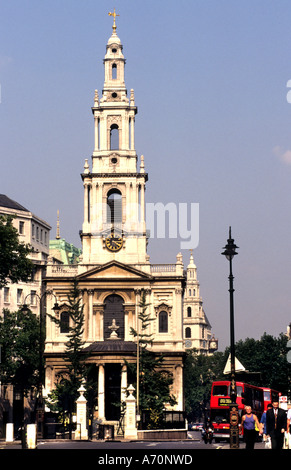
{"type": "Point", "coordinates": [114, 187]}
{"type": "Point", "coordinates": [197, 329]}
{"type": "Point", "coordinates": [114, 272]}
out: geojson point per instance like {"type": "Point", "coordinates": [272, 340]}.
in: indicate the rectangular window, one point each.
{"type": "Point", "coordinates": [65, 322]}
{"type": "Point", "coordinates": [6, 294]}
{"type": "Point", "coordinates": [220, 391]}
{"type": "Point", "coordinates": [21, 227]}
{"type": "Point", "coordinates": [33, 297]}
{"type": "Point", "coordinates": [163, 322]}
{"type": "Point", "coordinates": [19, 296]}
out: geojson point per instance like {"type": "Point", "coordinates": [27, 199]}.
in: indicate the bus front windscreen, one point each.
{"type": "Point", "coordinates": [220, 416]}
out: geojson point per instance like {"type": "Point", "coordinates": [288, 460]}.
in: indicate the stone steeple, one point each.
{"type": "Point", "coordinates": [114, 188]}
{"type": "Point", "coordinates": [197, 329]}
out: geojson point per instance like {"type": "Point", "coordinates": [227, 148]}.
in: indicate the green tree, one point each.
{"type": "Point", "coordinates": [19, 339]}
{"type": "Point", "coordinates": [268, 356]}
{"type": "Point", "coordinates": [154, 382]}
{"type": "Point", "coordinates": [63, 397]}
{"type": "Point", "coordinates": [14, 262]}
{"type": "Point", "coordinates": [199, 373]}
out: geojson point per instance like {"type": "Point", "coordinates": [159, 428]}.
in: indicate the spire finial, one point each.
{"type": "Point", "coordinates": [114, 16]}
{"type": "Point", "coordinates": [58, 225]}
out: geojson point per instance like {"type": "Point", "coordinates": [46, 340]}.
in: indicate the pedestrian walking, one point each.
{"type": "Point", "coordinates": [251, 427]}
{"type": "Point", "coordinates": [289, 421]}
{"type": "Point", "coordinates": [288, 436]}
{"type": "Point", "coordinates": [276, 425]}
{"type": "Point", "coordinates": [263, 427]}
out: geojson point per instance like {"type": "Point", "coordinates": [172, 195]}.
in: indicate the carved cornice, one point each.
{"type": "Point", "coordinates": [114, 175]}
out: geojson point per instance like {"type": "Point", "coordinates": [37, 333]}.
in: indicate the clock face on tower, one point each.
{"type": "Point", "coordinates": [114, 242]}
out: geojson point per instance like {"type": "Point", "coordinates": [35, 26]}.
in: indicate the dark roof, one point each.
{"type": "Point", "coordinates": [111, 346]}
{"type": "Point", "coordinates": [9, 203]}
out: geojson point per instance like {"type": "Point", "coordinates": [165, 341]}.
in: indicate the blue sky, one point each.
{"type": "Point", "coordinates": [214, 125]}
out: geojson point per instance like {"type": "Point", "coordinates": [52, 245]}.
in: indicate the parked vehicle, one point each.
{"type": "Point", "coordinates": [197, 426]}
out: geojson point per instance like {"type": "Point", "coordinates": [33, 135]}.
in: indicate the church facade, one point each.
{"type": "Point", "coordinates": [114, 268]}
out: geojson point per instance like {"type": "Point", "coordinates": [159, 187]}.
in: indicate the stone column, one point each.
{"type": "Point", "coordinates": [142, 206]}
{"type": "Point", "coordinates": [123, 383]}
{"type": "Point", "coordinates": [86, 198]}
{"type": "Point", "coordinates": [9, 432]}
{"type": "Point", "coordinates": [178, 381]}
{"type": "Point", "coordinates": [101, 390]}
{"type": "Point", "coordinates": [96, 122]}
{"type": "Point", "coordinates": [90, 314]}
{"type": "Point", "coordinates": [132, 134]}
{"type": "Point", "coordinates": [99, 207]}
{"type": "Point", "coordinates": [98, 322]}
{"type": "Point", "coordinates": [130, 429]}
{"type": "Point", "coordinates": [81, 431]}
{"type": "Point", "coordinates": [93, 206]}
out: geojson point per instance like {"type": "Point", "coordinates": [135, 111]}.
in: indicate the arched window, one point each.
{"type": "Point", "coordinates": [190, 292]}
{"type": "Point", "coordinates": [188, 311]}
{"type": "Point", "coordinates": [114, 207]}
{"type": "Point", "coordinates": [65, 322]}
{"type": "Point", "coordinates": [114, 72]}
{"type": "Point", "coordinates": [114, 137]}
{"type": "Point", "coordinates": [188, 332]}
{"type": "Point", "coordinates": [113, 317]}
{"type": "Point", "coordinates": [163, 322]}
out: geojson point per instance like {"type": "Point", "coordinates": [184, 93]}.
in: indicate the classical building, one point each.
{"type": "Point", "coordinates": [115, 268]}
{"type": "Point", "coordinates": [36, 232]}
{"type": "Point", "coordinates": [197, 329]}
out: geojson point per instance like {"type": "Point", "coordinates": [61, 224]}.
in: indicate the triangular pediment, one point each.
{"type": "Point", "coordinates": [114, 270]}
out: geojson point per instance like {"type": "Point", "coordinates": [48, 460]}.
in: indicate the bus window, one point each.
{"type": "Point", "coordinates": [239, 391]}
{"type": "Point", "coordinates": [220, 391]}
{"type": "Point", "coordinates": [267, 395]}
{"type": "Point", "coordinates": [219, 416]}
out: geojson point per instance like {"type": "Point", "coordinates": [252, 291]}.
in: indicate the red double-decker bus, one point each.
{"type": "Point", "coordinates": [220, 401]}
{"type": "Point", "coordinates": [270, 395]}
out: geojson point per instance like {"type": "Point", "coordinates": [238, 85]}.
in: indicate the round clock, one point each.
{"type": "Point", "coordinates": [114, 242]}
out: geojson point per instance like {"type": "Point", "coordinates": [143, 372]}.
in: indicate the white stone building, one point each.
{"type": "Point", "coordinates": [36, 232]}
{"type": "Point", "coordinates": [115, 266]}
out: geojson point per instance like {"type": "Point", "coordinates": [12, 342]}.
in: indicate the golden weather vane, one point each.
{"type": "Point", "coordinates": [114, 16]}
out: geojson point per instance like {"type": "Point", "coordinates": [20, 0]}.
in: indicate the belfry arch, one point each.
{"type": "Point", "coordinates": [114, 207]}
{"type": "Point", "coordinates": [114, 137]}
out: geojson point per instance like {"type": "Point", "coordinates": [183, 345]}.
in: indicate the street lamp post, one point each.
{"type": "Point", "coordinates": [25, 309]}
{"type": "Point", "coordinates": [229, 253]}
